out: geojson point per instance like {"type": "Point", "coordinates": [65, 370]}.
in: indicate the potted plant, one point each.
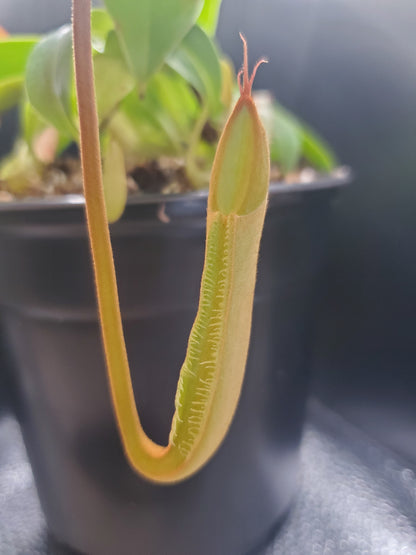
{"type": "Point", "coordinates": [163, 93]}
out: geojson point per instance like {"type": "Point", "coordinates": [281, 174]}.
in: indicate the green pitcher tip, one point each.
{"type": "Point", "coordinates": [240, 175]}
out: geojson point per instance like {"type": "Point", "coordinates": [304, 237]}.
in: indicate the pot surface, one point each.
{"type": "Point", "coordinates": [93, 501]}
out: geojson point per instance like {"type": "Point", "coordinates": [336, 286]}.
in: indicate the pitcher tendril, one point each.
{"type": "Point", "coordinates": [212, 374]}
{"type": "Point", "coordinates": [247, 84]}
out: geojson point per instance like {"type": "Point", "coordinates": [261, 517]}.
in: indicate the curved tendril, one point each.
{"type": "Point", "coordinates": [248, 80]}
{"type": "Point", "coordinates": [213, 371]}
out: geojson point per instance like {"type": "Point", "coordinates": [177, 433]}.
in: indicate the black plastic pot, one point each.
{"type": "Point", "coordinates": [93, 501]}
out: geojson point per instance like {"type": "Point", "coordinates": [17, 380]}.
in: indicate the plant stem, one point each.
{"type": "Point", "coordinates": [99, 235]}
{"type": "Point", "coordinates": [197, 177]}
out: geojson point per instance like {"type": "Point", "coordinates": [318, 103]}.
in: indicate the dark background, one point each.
{"type": "Point", "coordinates": [347, 67]}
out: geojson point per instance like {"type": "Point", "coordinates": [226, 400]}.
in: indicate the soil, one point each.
{"type": "Point", "coordinates": [164, 176]}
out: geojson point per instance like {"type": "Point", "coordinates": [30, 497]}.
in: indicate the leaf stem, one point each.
{"type": "Point", "coordinates": [197, 177]}
{"type": "Point", "coordinates": [99, 235]}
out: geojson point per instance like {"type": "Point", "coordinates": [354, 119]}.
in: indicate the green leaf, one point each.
{"type": "Point", "coordinates": [10, 92]}
{"type": "Point", "coordinates": [170, 101]}
{"type": "Point", "coordinates": [101, 25]}
{"type": "Point", "coordinates": [14, 52]}
{"type": "Point", "coordinates": [285, 140]}
{"type": "Point", "coordinates": [150, 29]}
{"type": "Point", "coordinates": [208, 18]}
{"type": "Point", "coordinates": [114, 180]}
{"type": "Point", "coordinates": [49, 79]}
{"type": "Point", "coordinates": [196, 60]}
{"type": "Point", "coordinates": [32, 123]}
{"type": "Point", "coordinates": [290, 139]}
{"type": "Point", "coordinates": [109, 69]}
{"type": "Point", "coordinates": [313, 148]}
{"type": "Point", "coordinates": [158, 123]}
{"type": "Point", "coordinates": [285, 133]}
{"type": "Point", "coordinates": [19, 169]}
{"type": "Point", "coordinates": [138, 132]}
{"type": "Point", "coordinates": [34, 126]}
{"type": "Point", "coordinates": [228, 83]}
{"type": "Point", "coordinates": [13, 55]}
{"type": "Point", "coordinates": [316, 151]}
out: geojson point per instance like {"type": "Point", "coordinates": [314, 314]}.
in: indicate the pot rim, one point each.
{"type": "Point", "coordinates": [339, 177]}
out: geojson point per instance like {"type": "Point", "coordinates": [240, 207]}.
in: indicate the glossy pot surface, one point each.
{"type": "Point", "coordinates": [93, 501]}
